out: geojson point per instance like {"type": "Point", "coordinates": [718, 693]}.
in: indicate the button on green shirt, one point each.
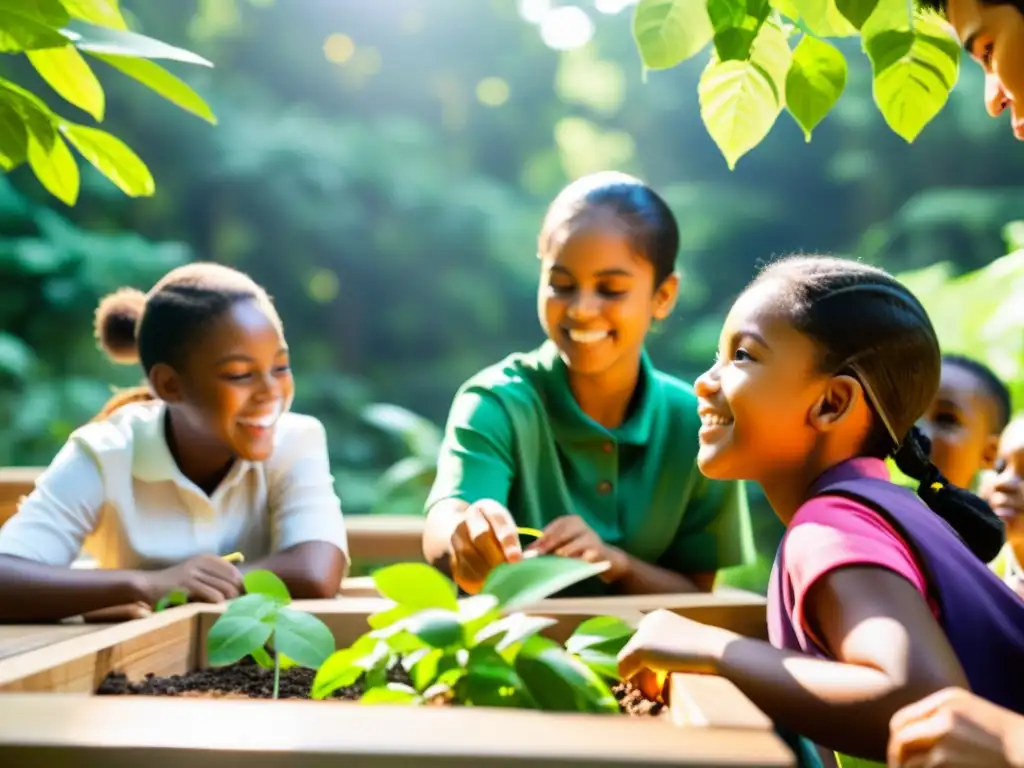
{"type": "Point", "coordinates": [515, 434]}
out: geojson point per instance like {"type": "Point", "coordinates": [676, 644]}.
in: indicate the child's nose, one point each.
{"type": "Point", "coordinates": [707, 383]}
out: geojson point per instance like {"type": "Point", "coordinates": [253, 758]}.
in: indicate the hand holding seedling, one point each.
{"type": "Point", "coordinates": [485, 537]}
{"type": "Point", "coordinates": [206, 578]}
{"type": "Point", "coordinates": [570, 536]}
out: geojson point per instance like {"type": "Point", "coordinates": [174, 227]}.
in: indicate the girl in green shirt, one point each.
{"type": "Point", "coordinates": [583, 439]}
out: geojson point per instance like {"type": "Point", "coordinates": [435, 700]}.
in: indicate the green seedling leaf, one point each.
{"type": "Point", "coordinates": [303, 638]}
{"type": "Point", "coordinates": [388, 617]}
{"type": "Point", "coordinates": [268, 584]}
{"type": "Point", "coordinates": [436, 627]}
{"type": "Point", "coordinates": [477, 612]}
{"type": "Point", "coordinates": [815, 82]}
{"type": "Point", "coordinates": [264, 659]}
{"type": "Point", "coordinates": [422, 667]}
{"type": "Point", "coordinates": [599, 631]}
{"type": "Point", "coordinates": [491, 681]}
{"type": "Point", "coordinates": [118, 42]}
{"type": "Point", "coordinates": [159, 80]}
{"type": "Point", "coordinates": [172, 598]}
{"type": "Point", "coordinates": [532, 580]}
{"type": "Point", "coordinates": [343, 668]}
{"type": "Point", "coordinates": [823, 18]}
{"type": "Point", "coordinates": [70, 76]}
{"type": "Point", "coordinates": [559, 682]}
{"type": "Point", "coordinates": [105, 13]}
{"type": "Point", "coordinates": [513, 629]}
{"type": "Point", "coordinates": [603, 663]}
{"type": "Point", "coordinates": [416, 585]}
{"type": "Point", "coordinates": [668, 32]}
{"type": "Point", "coordinates": [856, 11]}
{"type": "Point", "coordinates": [259, 607]}
{"type": "Point", "coordinates": [392, 693]}
{"type": "Point", "coordinates": [233, 637]}
{"type": "Point", "coordinates": [55, 168]}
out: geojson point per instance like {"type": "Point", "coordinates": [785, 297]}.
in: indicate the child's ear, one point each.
{"type": "Point", "coordinates": [166, 383]}
{"type": "Point", "coordinates": [836, 403]}
{"type": "Point", "coordinates": [665, 296]}
{"type": "Point", "coordinates": [990, 452]}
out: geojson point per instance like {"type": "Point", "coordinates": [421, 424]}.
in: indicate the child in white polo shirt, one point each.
{"type": "Point", "coordinates": [204, 461]}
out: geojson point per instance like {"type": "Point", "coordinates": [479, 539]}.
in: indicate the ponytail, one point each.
{"type": "Point", "coordinates": [140, 394]}
{"type": "Point", "coordinates": [981, 530]}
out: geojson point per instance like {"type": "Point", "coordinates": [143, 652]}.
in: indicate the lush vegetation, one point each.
{"type": "Point", "coordinates": [770, 56]}
{"type": "Point", "coordinates": [478, 650]}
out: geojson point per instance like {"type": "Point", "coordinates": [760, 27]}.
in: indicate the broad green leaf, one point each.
{"type": "Point", "coordinates": [598, 631]}
{"type": "Point", "coordinates": [601, 662]}
{"type": "Point", "coordinates": [392, 693]}
{"type": "Point", "coordinates": [823, 18]}
{"type": "Point", "coordinates": [788, 8]}
{"type": "Point", "coordinates": [416, 585]}
{"type": "Point", "coordinates": [36, 116]}
{"type": "Point", "coordinates": [423, 666]}
{"type": "Point", "coordinates": [303, 638]}
{"type": "Point", "coordinates": [668, 32]}
{"type": "Point", "coordinates": [491, 681]}
{"type": "Point", "coordinates": [914, 73]}
{"type": "Point", "coordinates": [172, 598]}
{"type": "Point", "coordinates": [342, 668]}
{"type": "Point", "coordinates": [158, 79]}
{"type": "Point", "coordinates": [118, 42]}
{"type": "Point", "coordinates": [56, 169]}
{"type": "Point", "coordinates": [532, 580]}
{"type": "Point", "coordinates": [13, 138]}
{"type": "Point", "coordinates": [389, 616]}
{"type": "Point", "coordinates": [268, 584]}
{"type": "Point", "coordinates": [49, 12]}
{"type": "Point", "coordinates": [22, 32]}
{"type": "Point", "coordinates": [70, 76]}
{"type": "Point", "coordinates": [856, 11]}
{"type": "Point", "coordinates": [105, 13]}
{"type": "Point", "coordinates": [887, 16]}
{"type": "Point", "coordinates": [261, 657]}
{"type": "Point", "coordinates": [477, 612]}
{"type": "Point", "coordinates": [232, 638]}
{"type": "Point", "coordinates": [737, 25]}
{"type": "Point", "coordinates": [513, 629]}
{"type": "Point", "coordinates": [740, 100]}
{"type": "Point", "coordinates": [260, 607]}
{"type": "Point", "coordinates": [815, 82]}
{"type": "Point", "coordinates": [558, 682]}
{"type": "Point", "coordinates": [113, 159]}
{"type": "Point", "coordinates": [435, 627]}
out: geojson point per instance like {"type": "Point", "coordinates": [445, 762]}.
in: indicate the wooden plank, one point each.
{"type": "Point", "coordinates": [21, 638]}
{"type": "Point", "coordinates": [112, 732]}
{"type": "Point", "coordinates": [165, 644]}
{"type": "Point", "coordinates": [15, 483]}
{"type": "Point", "coordinates": [358, 586]}
{"type": "Point", "coordinates": [385, 537]}
{"type": "Point", "coordinates": [709, 701]}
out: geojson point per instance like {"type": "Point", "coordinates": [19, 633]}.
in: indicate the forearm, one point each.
{"type": "Point", "coordinates": [641, 578]}
{"type": "Point", "coordinates": [844, 707]}
{"type": "Point", "coordinates": [312, 570]}
{"type": "Point", "coordinates": [31, 591]}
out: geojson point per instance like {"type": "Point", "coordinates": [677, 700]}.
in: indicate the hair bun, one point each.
{"type": "Point", "coordinates": [117, 318]}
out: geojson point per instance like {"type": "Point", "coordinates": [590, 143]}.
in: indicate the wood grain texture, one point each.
{"type": "Point", "coordinates": [15, 483]}
{"type": "Point", "coordinates": [21, 638]}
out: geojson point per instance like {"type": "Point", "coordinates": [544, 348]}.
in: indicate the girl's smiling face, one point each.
{"type": "Point", "coordinates": [1003, 488]}
{"type": "Point", "coordinates": [765, 405]}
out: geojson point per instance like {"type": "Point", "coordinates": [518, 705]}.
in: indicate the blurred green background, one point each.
{"type": "Point", "coordinates": [383, 165]}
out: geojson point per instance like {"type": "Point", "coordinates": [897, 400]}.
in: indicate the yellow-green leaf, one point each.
{"type": "Point", "coordinates": [668, 32]}
{"type": "Point", "coordinates": [787, 8]}
{"type": "Point", "coordinates": [815, 82]}
{"type": "Point", "coordinates": [49, 12]}
{"type": "Point", "coordinates": [740, 100]}
{"type": "Point", "coordinates": [914, 73]}
{"type": "Point", "coordinates": [102, 12]}
{"type": "Point", "coordinates": [112, 158]}
{"type": "Point", "coordinates": [823, 18]}
{"type": "Point", "coordinates": [13, 138]}
{"type": "Point", "coordinates": [70, 76]}
{"type": "Point", "coordinates": [152, 75]}
{"type": "Point", "coordinates": [856, 11]}
{"type": "Point", "coordinates": [95, 39]}
{"type": "Point", "coordinates": [21, 32]}
{"type": "Point", "coordinates": [55, 168]}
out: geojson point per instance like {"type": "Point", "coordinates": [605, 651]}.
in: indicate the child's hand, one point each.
{"type": "Point", "coordinates": [570, 536]}
{"type": "Point", "coordinates": [485, 537]}
{"type": "Point", "coordinates": [118, 613]}
{"type": "Point", "coordinates": [954, 728]}
{"type": "Point", "coordinates": [206, 579]}
{"type": "Point", "coordinates": [665, 642]}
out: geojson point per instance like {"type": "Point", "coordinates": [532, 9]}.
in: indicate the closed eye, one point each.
{"type": "Point", "coordinates": [741, 355]}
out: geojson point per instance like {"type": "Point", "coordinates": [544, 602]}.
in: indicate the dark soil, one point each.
{"type": "Point", "coordinates": [247, 680]}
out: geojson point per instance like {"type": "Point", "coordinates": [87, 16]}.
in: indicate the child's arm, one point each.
{"type": "Point", "coordinates": [309, 544]}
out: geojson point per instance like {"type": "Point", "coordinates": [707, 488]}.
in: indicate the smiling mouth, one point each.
{"type": "Point", "coordinates": [708, 420]}
{"type": "Point", "coordinates": [265, 421]}
{"type": "Point", "coordinates": [587, 337]}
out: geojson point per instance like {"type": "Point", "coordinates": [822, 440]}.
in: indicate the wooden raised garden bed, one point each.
{"type": "Point", "coordinates": [52, 716]}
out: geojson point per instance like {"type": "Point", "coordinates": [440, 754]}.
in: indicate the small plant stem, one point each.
{"type": "Point", "coordinates": [277, 671]}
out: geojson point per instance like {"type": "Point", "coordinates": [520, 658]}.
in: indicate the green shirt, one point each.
{"type": "Point", "coordinates": [515, 434]}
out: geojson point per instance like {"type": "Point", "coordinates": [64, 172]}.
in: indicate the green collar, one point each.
{"type": "Point", "coordinates": [571, 422]}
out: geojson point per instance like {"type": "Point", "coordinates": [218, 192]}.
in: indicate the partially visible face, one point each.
{"type": "Point", "coordinates": [959, 424]}
{"type": "Point", "coordinates": [993, 35]}
{"type": "Point", "coordinates": [597, 299]}
{"type": "Point", "coordinates": [1003, 488]}
{"type": "Point", "coordinates": [238, 381]}
{"type": "Point", "coordinates": [756, 400]}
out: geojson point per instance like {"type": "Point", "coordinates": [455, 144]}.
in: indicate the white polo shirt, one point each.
{"type": "Point", "coordinates": [115, 491]}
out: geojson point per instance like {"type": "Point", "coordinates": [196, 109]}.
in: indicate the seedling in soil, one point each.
{"type": "Point", "coordinates": [261, 618]}
{"type": "Point", "coordinates": [478, 650]}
